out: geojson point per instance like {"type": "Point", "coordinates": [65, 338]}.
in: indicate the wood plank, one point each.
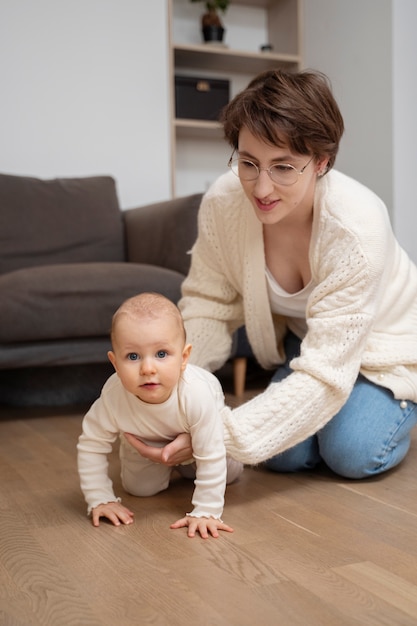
{"type": "Point", "coordinates": [308, 548]}
{"type": "Point", "coordinates": [383, 584]}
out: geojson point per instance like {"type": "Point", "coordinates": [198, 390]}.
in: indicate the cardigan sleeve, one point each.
{"type": "Point", "coordinates": [211, 303]}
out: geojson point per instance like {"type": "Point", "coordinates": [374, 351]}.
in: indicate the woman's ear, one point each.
{"type": "Point", "coordinates": [321, 166]}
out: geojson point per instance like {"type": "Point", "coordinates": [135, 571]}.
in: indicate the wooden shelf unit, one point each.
{"type": "Point", "coordinates": [283, 33]}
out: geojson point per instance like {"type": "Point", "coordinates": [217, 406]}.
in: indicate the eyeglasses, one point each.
{"type": "Point", "coordinates": [280, 173]}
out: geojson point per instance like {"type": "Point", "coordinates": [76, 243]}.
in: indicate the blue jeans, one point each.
{"type": "Point", "coordinates": [369, 435]}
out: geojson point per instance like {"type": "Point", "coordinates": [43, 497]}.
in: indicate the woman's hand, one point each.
{"type": "Point", "coordinates": [203, 525]}
{"type": "Point", "coordinates": [176, 452]}
{"type": "Point", "coordinates": [114, 511]}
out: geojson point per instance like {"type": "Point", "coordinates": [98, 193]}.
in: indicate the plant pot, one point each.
{"type": "Point", "coordinates": [213, 33]}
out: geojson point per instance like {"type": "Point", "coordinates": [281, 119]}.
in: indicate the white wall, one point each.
{"type": "Point", "coordinates": [84, 90]}
{"type": "Point", "coordinates": [405, 123]}
{"type": "Point", "coordinates": [368, 49]}
{"type": "Point", "coordinates": [246, 29]}
{"type": "Point", "coordinates": [350, 41]}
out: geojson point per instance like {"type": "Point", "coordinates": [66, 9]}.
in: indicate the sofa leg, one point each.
{"type": "Point", "coordinates": [239, 375]}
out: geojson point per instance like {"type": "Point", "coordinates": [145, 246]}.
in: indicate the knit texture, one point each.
{"type": "Point", "coordinates": [361, 315]}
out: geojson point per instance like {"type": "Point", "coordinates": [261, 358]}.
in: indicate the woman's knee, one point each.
{"type": "Point", "coordinates": [303, 456]}
{"type": "Point", "coordinates": [359, 444]}
{"type": "Point", "coordinates": [365, 459]}
{"type": "Point", "coordinates": [345, 467]}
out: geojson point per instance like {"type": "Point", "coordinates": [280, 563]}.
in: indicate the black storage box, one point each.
{"type": "Point", "coordinates": [200, 98]}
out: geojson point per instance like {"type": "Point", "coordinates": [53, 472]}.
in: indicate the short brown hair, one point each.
{"type": "Point", "coordinates": [297, 110]}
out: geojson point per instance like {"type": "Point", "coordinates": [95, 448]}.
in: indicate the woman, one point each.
{"type": "Point", "coordinates": [305, 257]}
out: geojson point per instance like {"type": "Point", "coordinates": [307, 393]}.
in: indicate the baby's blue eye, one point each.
{"type": "Point", "coordinates": [161, 354]}
{"type": "Point", "coordinates": [132, 356]}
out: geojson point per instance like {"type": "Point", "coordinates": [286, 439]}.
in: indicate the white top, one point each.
{"type": "Point", "coordinates": [361, 314]}
{"type": "Point", "coordinates": [290, 305]}
{"type": "Point", "coordinates": [193, 407]}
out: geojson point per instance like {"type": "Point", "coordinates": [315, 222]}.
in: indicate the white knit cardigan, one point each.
{"type": "Point", "coordinates": [361, 316]}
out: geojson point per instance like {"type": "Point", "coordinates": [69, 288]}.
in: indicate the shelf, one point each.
{"type": "Point", "coordinates": [206, 57]}
{"type": "Point", "coordinates": [198, 129]}
{"type": "Point", "coordinates": [198, 149]}
{"type": "Point", "coordinates": [259, 3]}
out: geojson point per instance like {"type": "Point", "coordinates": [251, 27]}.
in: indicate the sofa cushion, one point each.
{"type": "Point", "coordinates": [74, 300]}
{"type": "Point", "coordinates": [65, 220]}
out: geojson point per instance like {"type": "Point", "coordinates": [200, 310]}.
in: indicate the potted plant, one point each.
{"type": "Point", "coordinates": [211, 25]}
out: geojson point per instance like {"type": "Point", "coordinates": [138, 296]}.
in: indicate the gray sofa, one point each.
{"type": "Point", "coordinates": [68, 257]}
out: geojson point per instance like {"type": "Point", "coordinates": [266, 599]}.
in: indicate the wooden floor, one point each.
{"type": "Point", "coordinates": [308, 549]}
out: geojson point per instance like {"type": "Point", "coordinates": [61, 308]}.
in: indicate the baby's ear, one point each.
{"type": "Point", "coordinates": [112, 358]}
{"type": "Point", "coordinates": [185, 355]}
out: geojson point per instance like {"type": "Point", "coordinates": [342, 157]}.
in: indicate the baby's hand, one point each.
{"type": "Point", "coordinates": [114, 511]}
{"type": "Point", "coordinates": [203, 525]}
{"type": "Point", "coordinates": [174, 453]}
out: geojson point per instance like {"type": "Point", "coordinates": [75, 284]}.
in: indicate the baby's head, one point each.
{"type": "Point", "coordinates": [144, 306]}
{"type": "Point", "coordinates": [149, 346]}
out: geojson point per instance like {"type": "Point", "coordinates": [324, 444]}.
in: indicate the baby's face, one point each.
{"type": "Point", "coordinates": [149, 356]}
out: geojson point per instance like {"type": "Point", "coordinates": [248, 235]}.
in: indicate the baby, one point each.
{"type": "Point", "coordinates": [155, 395]}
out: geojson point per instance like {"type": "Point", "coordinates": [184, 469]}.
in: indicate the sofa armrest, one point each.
{"type": "Point", "coordinates": [162, 233]}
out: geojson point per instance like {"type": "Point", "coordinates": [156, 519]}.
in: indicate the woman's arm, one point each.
{"type": "Point", "coordinates": [211, 303]}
